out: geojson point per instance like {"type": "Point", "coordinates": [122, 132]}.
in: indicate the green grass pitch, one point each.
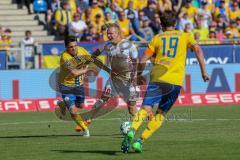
{"type": "Point", "coordinates": [190, 133]}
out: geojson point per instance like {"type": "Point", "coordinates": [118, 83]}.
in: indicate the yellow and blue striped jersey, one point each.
{"type": "Point", "coordinates": [170, 48]}
{"type": "Point", "coordinates": [68, 62]}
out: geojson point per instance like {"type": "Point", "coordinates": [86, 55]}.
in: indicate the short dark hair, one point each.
{"type": "Point", "coordinates": [69, 39]}
{"type": "Point", "coordinates": [27, 31]}
{"type": "Point", "coordinates": [168, 19]}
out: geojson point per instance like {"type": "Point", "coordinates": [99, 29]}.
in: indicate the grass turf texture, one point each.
{"type": "Point", "coordinates": [207, 133]}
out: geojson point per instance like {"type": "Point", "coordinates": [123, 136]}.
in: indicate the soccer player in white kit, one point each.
{"type": "Point", "coordinates": [122, 58]}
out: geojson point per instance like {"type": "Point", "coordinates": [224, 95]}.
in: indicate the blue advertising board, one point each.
{"type": "Point", "coordinates": [237, 54]}
{"type": "Point", "coordinates": [214, 54]}
{"type": "Point", "coordinates": [3, 60]}
{"type": "Point", "coordinates": [35, 83]}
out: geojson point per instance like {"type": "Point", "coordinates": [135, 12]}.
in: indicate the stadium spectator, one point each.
{"type": "Point", "coordinates": [164, 5]}
{"type": "Point", "coordinates": [73, 6]}
{"type": "Point", "coordinates": [190, 10]}
{"type": "Point", "coordinates": [238, 23]}
{"type": "Point", "coordinates": [233, 29]}
{"type": "Point", "coordinates": [197, 37]}
{"type": "Point", "coordinates": [1, 31]}
{"type": "Point", "coordinates": [132, 15]}
{"type": "Point", "coordinates": [6, 43]}
{"type": "Point", "coordinates": [146, 30]}
{"type": "Point", "coordinates": [177, 4]}
{"type": "Point", "coordinates": [141, 16]}
{"type": "Point", "coordinates": [86, 17]}
{"type": "Point", "coordinates": [141, 4]}
{"type": "Point", "coordinates": [108, 18]}
{"type": "Point", "coordinates": [124, 3]}
{"type": "Point", "coordinates": [27, 4]}
{"type": "Point", "coordinates": [98, 23]}
{"type": "Point", "coordinates": [125, 25]}
{"type": "Point", "coordinates": [113, 9]}
{"type": "Point", "coordinates": [102, 4]}
{"type": "Point", "coordinates": [221, 23]}
{"type": "Point", "coordinates": [151, 9]}
{"type": "Point", "coordinates": [213, 26]}
{"type": "Point", "coordinates": [234, 11]}
{"type": "Point", "coordinates": [212, 38]}
{"type": "Point", "coordinates": [155, 24]}
{"type": "Point", "coordinates": [95, 9]}
{"type": "Point", "coordinates": [52, 8]}
{"type": "Point", "coordinates": [188, 28]}
{"type": "Point", "coordinates": [28, 43]}
{"type": "Point", "coordinates": [184, 19]}
{"type": "Point", "coordinates": [63, 18]}
{"type": "Point", "coordinates": [202, 30]}
{"type": "Point", "coordinates": [204, 13]}
{"type": "Point", "coordinates": [103, 35]}
{"type": "Point", "coordinates": [91, 34]}
{"type": "Point", "coordinates": [222, 10]}
{"type": "Point", "coordinates": [77, 26]}
{"type": "Point", "coordinates": [83, 5]}
{"type": "Point", "coordinates": [220, 35]}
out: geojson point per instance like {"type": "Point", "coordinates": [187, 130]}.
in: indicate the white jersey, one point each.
{"type": "Point", "coordinates": [121, 58]}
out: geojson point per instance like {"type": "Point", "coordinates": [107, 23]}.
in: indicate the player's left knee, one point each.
{"type": "Point", "coordinates": [132, 108]}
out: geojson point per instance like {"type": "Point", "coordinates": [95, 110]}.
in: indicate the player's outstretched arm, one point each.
{"type": "Point", "coordinates": [147, 55]}
{"type": "Point", "coordinates": [200, 57]}
{"type": "Point", "coordinates": [78, 72]}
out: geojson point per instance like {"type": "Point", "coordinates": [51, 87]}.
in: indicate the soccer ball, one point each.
{"type": "Point", "coordinates": [125, 127]}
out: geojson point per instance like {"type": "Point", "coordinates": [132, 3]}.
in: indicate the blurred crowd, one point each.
{"type": "Point", "coordinates": [28, 43]}
{"type": "Point", "coordinates": [210, 21]}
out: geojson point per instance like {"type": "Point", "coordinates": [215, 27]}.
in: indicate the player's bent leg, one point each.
{"type": "Point", "coordinates": [140, 116]}
{"type": "Point", "coordinates": [132, 108]}
{"type": "Point", "coordinates": [80, 105]}
{"type": "Point", "coordinates": [153, 125]}
{"type": "Point", "coordinates": [101, 102]}
{"type": "Point", "coordinates": [137, 121]}
{"type": "Point", "coordinates": [80, 129]}
{"type": "Point", "coordinates": [61, 104]}
{"type": "Point", "coordinates": [79, 120]}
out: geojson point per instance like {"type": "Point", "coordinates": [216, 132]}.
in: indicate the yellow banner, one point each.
{"type": "Point", "coordinates": [51, 62]}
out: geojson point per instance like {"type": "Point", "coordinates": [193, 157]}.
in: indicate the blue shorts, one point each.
{"type": "Point", "coordinates": [163, 94]}
{"type": "Point", "coordinates": [72, 96]}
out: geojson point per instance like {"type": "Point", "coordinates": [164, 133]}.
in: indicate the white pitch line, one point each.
{"type": "Point", "coordinates": [59, 121]}
{"type": "Point", "coordinates": [113, 119]}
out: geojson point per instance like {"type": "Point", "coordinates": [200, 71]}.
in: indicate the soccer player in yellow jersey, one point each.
{"type": "Point", "coordinates": [71, 80]}
{"type": "Point", "coordinates": [166, 78]}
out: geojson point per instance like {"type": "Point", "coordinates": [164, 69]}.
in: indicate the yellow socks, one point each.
{"type": "Point", "coordinates": [78, 119]}
{"type": "Point", "coordinates": [152, 126]}
{"type": "Point", "coordinates": [138, 118]}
